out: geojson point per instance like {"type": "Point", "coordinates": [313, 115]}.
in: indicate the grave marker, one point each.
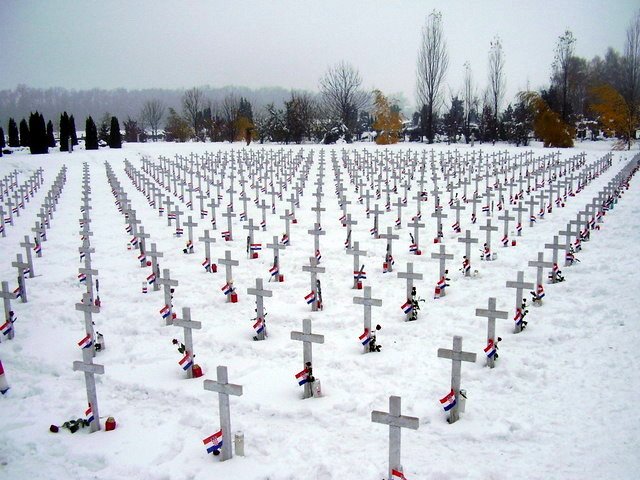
{"type": "Point", "coordinates": [367, 301]}
{"type": "Point", "coordinates": [491, 314]}
{"type": "Point", "coordinates": [260, 325]}
{"type": "Point", "coordinates": [457, 356]}
{"type": "Point", "coordinates": [519, 285]}
{"type": "Point", "coordinates": [187, 324]}
{"type": "Point", "coordinates": [308, 339]}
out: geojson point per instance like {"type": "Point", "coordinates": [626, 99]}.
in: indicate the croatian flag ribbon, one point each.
{"type": "Point", "coordinates": [540, 292]}
{"type": "Point", "coordinates": [86, 342]}
{"type": "Point", "coordinates": [365, 337]}
{"type": "Point", "coordinates": [318, 256]}
{"type": "Point", "coordinates": [88, 414]}
{"type": "Point", "coordinates": [397, 475]}
{"type": "Point", "coordinates": [206, 264]}
{"type": "Point", "coordinates": [165, 311]}
{"type": "Point", "coordinates": [226, 235]}
{"type": "Point", "coordinates": [310, 298]}
{"type": "Point", "coordinates": [359, 275]}
{"type": "Point", "coordinates": [448, 401]}
{"type": "Point", "coordinates": [213, 442]}
{"type": "Point", "coordinates": [518, 317]}
{"type": "Point", "coordinates": [227, 289]}
{"type": "Point", "coordinates": [6, 327]}
{"type": "Point", "coordinates": [151, 279]}
{"type": "Point", "coordinates": [142, 258]}
{"type": "Point", "coordinates": [256, 247]}
{"type": "Point", "coordinates": [302, 377]}
{"type": "Point", "coordinates": [259, 325]}
{"type": "Point", "coordinates": [179, 231]}
{"type": "Point", "coordinates": [413, 247]}
{"type": "Point", "coordinates": [407, 307]}
{"type": "Point", "coordinates": [285, 239]}
{"type": "Point", "coordinates": [82, 277]}
{"type": "Point", "coordinates": [186, 361]}
{"type": "Point", "coordinates": [490, 349]}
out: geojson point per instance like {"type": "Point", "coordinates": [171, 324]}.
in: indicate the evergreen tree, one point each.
{"type": "Point", "coordinates": [64, 132]}
{"type": "Point", "coordinates": [72, 131]}
{"type": "Point", "coordinates": [37, 134]}
{"type": "Point", "coordinates": [176, 129]}
{"type": "Point", "coordinates": [51, 139]}
{"type": "Point", "coordinates": [453, 120]}
{"type": "Point", "coordinates": [2, 144]}
{"type": "Point", "coordinates": [115, 139]}
{"type": "Point", "coordinates": [103, 131]}
{"type": "Point", "coordinates": [14, 138]}
{"type": "Point", "coordinates": [244, 110]}
{"type": "Point", "coordinates": [24, 133]}
{"type": "Point", "coordinates": [91, 135]}
{"type": "Point", "coordinates": [131, 130]}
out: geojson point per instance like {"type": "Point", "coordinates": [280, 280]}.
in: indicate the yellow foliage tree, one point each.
{"type": "Point", "coordinates": [614, 115]}
{"type": "Point", "coordinates": [388, 123]}
{"type": "Point", "coordinates": [244, 129]}
{"type": "Point", "coordinates": [547, 124]}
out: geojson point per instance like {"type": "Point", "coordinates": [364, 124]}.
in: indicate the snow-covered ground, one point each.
{"type": "Point", "coordinates": [560, 403]}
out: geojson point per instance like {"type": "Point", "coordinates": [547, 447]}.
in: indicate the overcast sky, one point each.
{"type": "Point", "coordinates": [180, 44]}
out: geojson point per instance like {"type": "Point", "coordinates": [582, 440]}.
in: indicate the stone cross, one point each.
{"type": "Point", "coordinates": [317, 232]}
{"type": "Point", "coordinates": [39, 230]}
{"type": "Point", "coordinates": [212, 205]}
{"type": "Point", "coordinates": [443, 257]}
{"type": "Point", "coordinates": [90, 369]}
{"type": "Point", "coordinates": [167, 283]}
{"type": "Point", "coordinates": [396, 422]}
{"type": "Point", "coordinates": [410, 276]}
{"type": "Point", "coordinates": [468, 240]}
{"type": "Point", "coordinates": [376, 212]}
{"type": "Point", "coordinates": [488, 228]}
{"type": "Point", "coordinates": [260, 293]}
{"type": "Point", "coordinates": [251, 227]}
{"type": "Point", "coordinates": [390, 237]}
{"type": "Point", "coordinates": [229, 215]}
{"type": "Point", "coordinates": [276, 246]}
{"type": "Point", "coordinates": [88, 308]}
{"type": "Point", "coordinates": [540, 264]}
{"type": "Point", "coordinates": [506, 217]}
{"type": "Point", "coordinates": [187, 324]}
{"type": "Point", "coordinates": [21, 266]}
{"type": "Point", "coordinates": [457, 207]}
{"type": "Point", "coordinates": [416, 233]}
{"type": "Point", "coordinates": [190, 224]}
{"type": "Point", "coordinates": [457, 356]}
{"type": "Point", "coordinates": [568, 234]}
{"type": "Point", "coordinates": [555, 246]}
{"type": "Point", "coordinates": [7, 295]}
{"type": "Point", "coordinates": [314, 269]}
{"type": "Point", "coordinates": [491, 314]}
{"type": "Point", "coordinates": [207, 248]}
{"type": "Point", "coordinates": [438, 215]}
{"type": "Point", "coordinates": [28, 246]}
{"type": "Point", "coordinates": [308, 339]}
{"type": "Point", "coordinates": [224, 389]}
{"type": "Point", "coordinates": [356, 252]}
{"type": "Point", "coordinates": [264, 207]}
{"type": "Point", "coordinates": [228, 263]}
{"type": "Point", "coordinates": [85, 253]}
{"type": "Point", "coordinates": [367, 301]}
{"type": "Point", "coordinates": [348, 222]}
{"type": "Point", "coordinates": [519, 285]}
{"type": "Point", "coordinates": [287, 227]}
{"type": "Point", "coordinates": [155, 270]}
{"type": "Point", "coordinates": [88, 274]}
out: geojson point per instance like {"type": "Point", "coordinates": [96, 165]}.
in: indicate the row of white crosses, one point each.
{"type": "Point", "coordinates": [14, 197]}
{"type": "Point", "coordinates": [27, 268]}
{"type": "Point", "coordinates": [158, 280]}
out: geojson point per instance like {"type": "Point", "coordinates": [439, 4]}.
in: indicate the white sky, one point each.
{"type": "Point", "coordinates": [142, 43]}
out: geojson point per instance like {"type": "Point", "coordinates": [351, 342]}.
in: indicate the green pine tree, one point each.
{"type": "Point", "coordinates": [2, 144]}
{"type": "Point", "coordinates": [14, 137]}
{"type": "Point", "coordinates": [51, 139]}
{"type": "Point", "coordinates": [24, 133]}
{"type": "Point", "coordinates": [64, 132]}
{"type": "Point", "coordinates": [115, 139]}
{"type": "Point", "coordinates": [72, 131]}
{"type": "Point", "coordinates": [91, 135]}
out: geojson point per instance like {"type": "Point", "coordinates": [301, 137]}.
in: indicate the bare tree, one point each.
{"type": "Point", "coordinates": [433, 61]}
{"type": "Point", "coordinates": [229, 112]}
{"type": "Point", "coordinates": [497, 82]}
{"type": "Point", "coordinates": [192, 103]}
{"type": "Point", "coordinates": [341, 94]}
{"type": "Point", "coordinates": [562, 65]}
{"type": "Point", "coordinates": [469, 99]}
{"type": "Point", "coordinates": [631, 69]}
{"type": "Point", "coordinates": [151, 114]}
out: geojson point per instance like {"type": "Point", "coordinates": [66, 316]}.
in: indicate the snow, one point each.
{"type": "Point", "coordinates": [559, 404]}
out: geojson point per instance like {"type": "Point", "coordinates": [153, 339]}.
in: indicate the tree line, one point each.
{"type": "Point", "coordinates": [583, 99]}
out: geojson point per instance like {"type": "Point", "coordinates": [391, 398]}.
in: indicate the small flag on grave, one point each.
{"type": "Point", "coordinates": [302, 377]}
{"type": "Point", "coordinates": [189, 204]}
{"type": "Point", "coordinates": [359, 275]}
{"type": "Point", "coordinates": [171, 216]}
{"type": "Point", "coordinates": [179, 232]}
{"type": "Point", "coordinates": [88, 414]}
{"type": "Point", "coordinates": [18, 292]}
{"type": "Point", "coordinates": [490, 349]}
{"type": "Point", "coordinates": [485, 208]}
{"type": "Point", "coordinates": [274, 271]}
{"type": "Point", "coordinates": [318, 256]}
{"type": "Point", "coordinates": [263, 224]}
{"type": "Point", "coordinates": [243, 216]}
{"type": "Point", "coordinates": [151, 279]}
{"type": "Point", "coordinates": [413, 247]}
{"type": "Point", "coordinates": [373, 231]}
{"type": "Point", "coordinates": [540, 292]}
{"type": "Point", "coordinates": [144, 287]}
{"type": "Point", "coordinates": [473, 218]}
{"type": "Point", "coordinates": [259, 325]}
{"type": "Point", "coordinates": [365, 337]}
{"type": "Point", "coordinates": [448, 401]}
{"type": "Point", "coordinates": [206, 264]}
{"type": "Point", "coordinates": [256, 247]}
{"type": "Point", "coordinates": [442, 283]}
{"type": "Point", "coordinates": [532, 218]}
{"type": "Point", "coordinates": [6, 327]}
{"type": "Point", "coordinates": [519, 228]}
{"type": "Point", "coordinates": [128, 229]}
{"type": "Point", "coordinates": [186, 361]}
{"type": "Point", "coordinates": [82, 277]}
{"type": "Point", "coordinates": [518, 317]}
{"type": "Point", "coordinates": [396, 475]}
{"type": "Point", "coordinates": [37, 248]}
{"type": "Point", "coordinates": [407, 307]}
{"type": "Point", "coordinates": [227, 289]}
{"type": "Point", "coordinates": [398, 222]}
{"type": "Point", "coordinates": [134, 241]}
{"type": "Point", "coordinates": [310, 298]}
{"type": "Point", "coordinates": [26, 271]}
{"type": "Point", "coordinates": [86, 342]}
{"type": "Point", "coordinates": [505, 241]}
{"type": "Point", "coordinates": [165, 311]}
{"type": "Point", "coordinates": [214, 442]}
{"type": "Point", "coordinates": [142, 258]}
{"type": "Point", "coordinates": [204, 213]}
{"type": "Point", "coordinates": [285, 239]}
{"type": "Point", "coordinates": [226, 235]}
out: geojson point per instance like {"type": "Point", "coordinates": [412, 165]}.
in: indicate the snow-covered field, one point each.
{"type": "Point", "coordinates": [560, 403]}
